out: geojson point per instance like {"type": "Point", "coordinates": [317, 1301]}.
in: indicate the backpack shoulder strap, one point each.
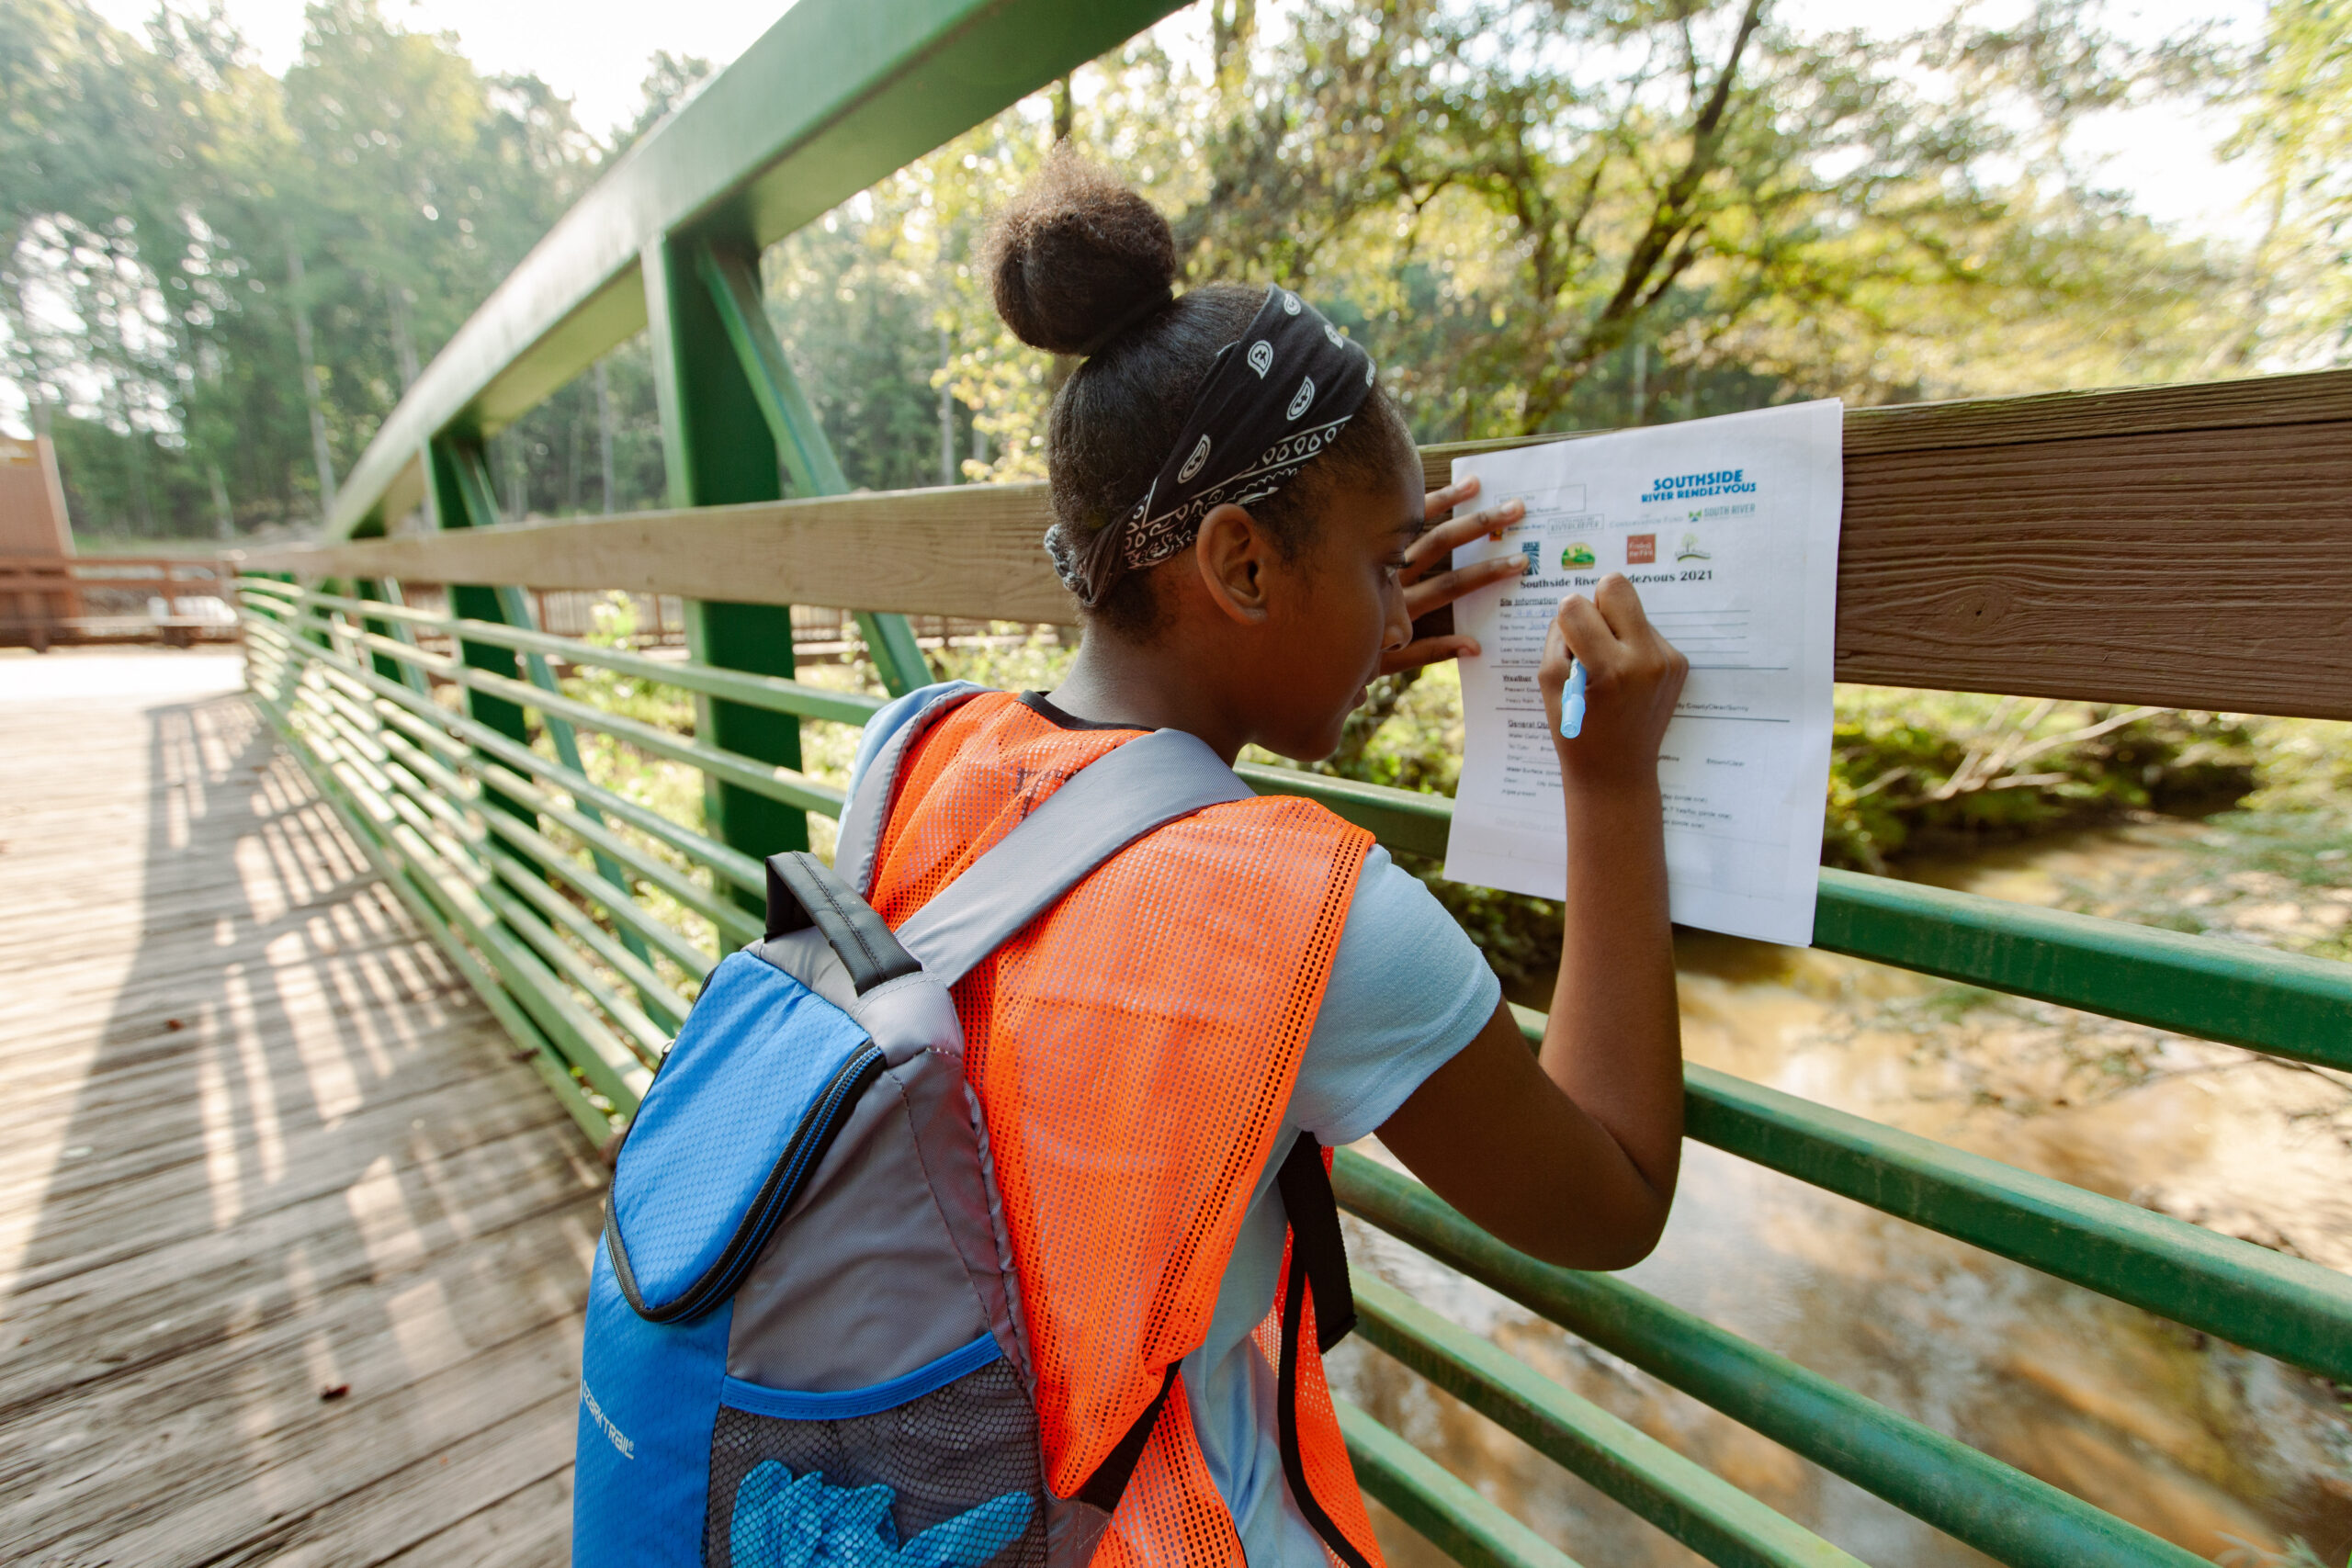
{"type": "Point", "coordinates": [1104, 807]}
{"type": "Point", "coordinates": [859, 840]}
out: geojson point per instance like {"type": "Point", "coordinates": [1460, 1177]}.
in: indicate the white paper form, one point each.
{"type": "Point", "coordinates": [1728, 527]}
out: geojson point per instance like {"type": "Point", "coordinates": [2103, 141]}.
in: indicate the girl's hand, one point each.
{"type": "Point", "coordinates": [1431, 584]}
{"type": "Point", "coordinates": [1633, 679]}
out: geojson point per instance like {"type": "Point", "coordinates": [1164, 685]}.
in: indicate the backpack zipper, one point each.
{"type": "Point", "coordinates": [801, 1156]}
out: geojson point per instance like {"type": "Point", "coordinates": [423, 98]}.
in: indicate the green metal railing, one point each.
{"type": "Point", "coordinates": [449, 747]}
{"type": "Point", "coordinates": [537, 907]}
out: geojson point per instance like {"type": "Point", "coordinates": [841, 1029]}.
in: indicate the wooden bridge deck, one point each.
{"type": "Point", "coordinates": [257, 1145]}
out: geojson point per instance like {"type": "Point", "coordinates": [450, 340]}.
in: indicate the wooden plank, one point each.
{"type": "Point", "coordinates": [147, 1002]}
{"type": "Point", "coordinates": [101, 568]}
{"type": "Point", "coordinates": [142, 1130]}
{"type": "Point", "coordinates": [134, 1446]}
{"type": "Point", "coordinates": [965, 550]}
{"type": "Point", "coordinates": [334, 1172]}
{"type": "Point", "coordinates": [2189, 546]}
{"type": "Point", "coordinates": [96, 1316]}
{"type": "Point", "coordinates": [165, 1176]}
{"type": "Point", "coordinates": [2322, 396]}
{"type": "Point", "coordinates": [141, 1042]}
{"type": "Point", "coordinates": [530, 1377]}
{"type": "Point", "coordinates": [32, 498]}
{"type": "Point", "coordinates": [507, 1489]}
{"type": "Point", "coordinates": [529, 1528]}
{"type": "Point", "coordinates": [2190, 569]}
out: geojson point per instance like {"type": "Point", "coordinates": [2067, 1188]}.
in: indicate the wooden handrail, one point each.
{"type": "Point", "coordinates": [2189, 546]}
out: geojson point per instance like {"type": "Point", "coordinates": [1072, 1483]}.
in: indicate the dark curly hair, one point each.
{"type": "Point", "coordinates": [1081, 264]}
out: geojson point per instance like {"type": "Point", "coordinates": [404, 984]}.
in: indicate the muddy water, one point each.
{"type": "Point", "coordinates": [2226, 1452]}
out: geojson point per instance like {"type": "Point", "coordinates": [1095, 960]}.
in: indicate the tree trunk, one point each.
{"type": "Point", "coordinates": [138, 478]}
{"type": "Point", "coordinates": [947, 412]}
{"type": "Point", "coordinates": [605, 434]}
{"type": "Point", "coordinates": [571, 463]}
{"type": "Point", "coordinates": [518, 479]}
{"type": "Point", "coordinates": [224, 517]}
{"type": "Point", "coordinates": [321, 453]}
{"type": "Point", "coordinates": [403, 345]}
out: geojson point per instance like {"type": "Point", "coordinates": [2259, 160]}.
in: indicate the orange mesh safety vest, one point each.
{"type": "Point", "coordinates": [1132, 1050]}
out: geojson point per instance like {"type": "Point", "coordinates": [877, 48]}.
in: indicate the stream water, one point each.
{"type": "Point", "coordinates": [2226, 1452]}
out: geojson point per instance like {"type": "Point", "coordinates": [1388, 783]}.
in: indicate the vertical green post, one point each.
{"type": "Point", "coordinates": [343, 587]}
{"type": "Point", "coordinates": [314, 633]}
{"type": "Point", "coordinates": [717, 448]}
{"type": "Point", "coordinates": [506, 606]}
{"type": "Point", "coordinates": [384, 664]}
{"type": "Point", "coordinates": [451, 465]}
{"type": "Point", "coordinates": [384, 590]}
{"type": "Point", "coordinates": [733, 279]}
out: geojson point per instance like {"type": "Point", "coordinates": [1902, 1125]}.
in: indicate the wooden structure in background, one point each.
{"type": "Point", "coordinates": [36, 541]}
{"type": "Point", "coordinates": [32, 499]}
{"type": "Point", "coordinates": [47, 600]}
{"type": "Point", "coordinates": [49, 595]}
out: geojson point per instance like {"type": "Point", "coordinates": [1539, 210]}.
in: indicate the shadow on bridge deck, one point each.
{"type": "Point", "coordinates": [257, 1142]}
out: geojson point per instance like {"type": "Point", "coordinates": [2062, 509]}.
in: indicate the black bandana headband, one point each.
{"type": "Point", "coordinates": [1271, 400]}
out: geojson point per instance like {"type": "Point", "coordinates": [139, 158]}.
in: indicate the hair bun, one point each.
{"type": "Point", "coordinates": [1077, 257]}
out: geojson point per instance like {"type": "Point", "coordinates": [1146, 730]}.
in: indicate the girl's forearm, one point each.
{"type": "Point", "coordinates": [1615, 1042]}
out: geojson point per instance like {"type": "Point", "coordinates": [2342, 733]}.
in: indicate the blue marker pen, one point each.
{"type": "Point", "coordinates": [1572, 701]}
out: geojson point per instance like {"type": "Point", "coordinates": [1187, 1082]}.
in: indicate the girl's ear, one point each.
{"type": "Point", "coordinates": [1234, 555]}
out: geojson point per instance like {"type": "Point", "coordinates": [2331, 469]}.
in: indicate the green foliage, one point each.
{"type": "Point", "coordinates": [2297, 1553]}
{"type": "Point", "coordinates": [613, 622]}
{"type": "Point", "coordinates": [1540, 217]}
{"type": "Point", "coordinates": [864, 344]}
{"type": "Point", "coordinates": [1545, 218]}
{"type": "Point", "coordinates": [1912, 772]}
{"type": "Point", "coordinates": [1911, 765]}
{"type": "Point", "coordinates": [2301, 764]}
{"type": "Point", "coordinates": [1407, 734]}
{"type": "Point", "coordinates": [1549, 218]}
{"type": "Point", "coordinates": [2298, 126]}
{"type": "Point", "coordinates": [1014, 659]}
{"type": "Point", "coordinates": [174, 221]}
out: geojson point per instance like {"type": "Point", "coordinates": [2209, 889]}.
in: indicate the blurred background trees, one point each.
{"type": "Point", "coordinates": [1539, 214]}
{"type": "Point", "coordinates": [214, 283]}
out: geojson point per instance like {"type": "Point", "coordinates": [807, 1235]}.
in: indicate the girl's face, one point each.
{"type": "Point", "coordinates": [1331, 613]}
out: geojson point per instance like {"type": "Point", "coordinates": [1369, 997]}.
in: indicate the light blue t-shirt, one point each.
{"type": "Point", "coordinates": [1407, 990]}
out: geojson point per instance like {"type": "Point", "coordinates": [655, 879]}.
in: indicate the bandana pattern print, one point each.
{"type": "Point", "coordinates": [1250, 431]}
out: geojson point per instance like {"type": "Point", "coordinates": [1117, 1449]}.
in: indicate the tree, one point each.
{"type": "Point", "coordinates": [421, 184]}
{"type": "Point", "coordinates": [672, 80]}
{"type": "Point", "coordinates": [1539, 214]}
{"type": "Point", "coordinates": [1529, 196]}
{"type": "Point", "coordinates": [2299, 126]}
{"type": "Point", "coordinates": [177, 223]}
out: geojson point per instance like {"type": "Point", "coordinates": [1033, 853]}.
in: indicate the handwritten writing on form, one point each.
{"type": "Point", "coordinates": [1728, 527]}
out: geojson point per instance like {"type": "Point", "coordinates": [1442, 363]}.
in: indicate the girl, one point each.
{"type": "Point", "coordinates": [1160, 1058]}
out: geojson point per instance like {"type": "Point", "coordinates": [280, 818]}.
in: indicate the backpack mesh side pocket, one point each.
{"type": "Point", "coordinates": [947, 1478]}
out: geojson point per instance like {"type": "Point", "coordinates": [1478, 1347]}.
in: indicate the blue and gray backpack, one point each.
{"type": "Point", "coordinates": [804, 1339]}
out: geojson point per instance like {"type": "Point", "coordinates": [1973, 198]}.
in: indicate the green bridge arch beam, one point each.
{"type": "Point", "coordinates": [837, 94]}
{"type": "Point", "coordinates": [717, 448]}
